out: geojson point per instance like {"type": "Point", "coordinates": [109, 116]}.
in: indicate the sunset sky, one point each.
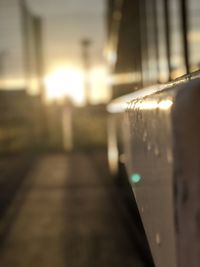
{"type": "Point", "coordinates": [65, 23]}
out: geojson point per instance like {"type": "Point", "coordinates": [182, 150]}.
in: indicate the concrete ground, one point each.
{"type": "Point", "coordinates": [67, 215]}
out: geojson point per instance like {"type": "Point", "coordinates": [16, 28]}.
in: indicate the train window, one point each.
{"type": "Point", "coordinates": [177, 62]}
{"type": "Point", "coordinates": [194, 33]}
{"type": "Point", "coordinates": [162, 43]}
{"type": "Point", "coordinates": [151, 41]}
{"type": "Point", "coordinates": [144, 43]}
{"type": "Point", "coordinates": [148, 42]}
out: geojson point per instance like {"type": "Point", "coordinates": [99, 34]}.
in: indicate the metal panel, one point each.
{"type": "Point", "coordinates": [186, 125]}
{"type": "Point", "coordinates": [163, 154]}
{"type": "Point", "coordinates": [150, 158]}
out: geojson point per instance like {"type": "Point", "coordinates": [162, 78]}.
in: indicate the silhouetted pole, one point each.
{"type": "Point", "coordinates": [39, 57]}
{"type": "Point", "coordinates": [86, 65]}
{"type": "Point", "coordinates": [32, 46]}
{"type": "Point", "coordinates": [25, 28]}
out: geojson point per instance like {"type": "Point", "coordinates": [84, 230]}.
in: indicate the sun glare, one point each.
{"type": "Point", "coordinates": [69, 82]}
{"type": "Point", "coordinates": [99, 85]}
{"type": "Point", "coordinates": [65, 82]}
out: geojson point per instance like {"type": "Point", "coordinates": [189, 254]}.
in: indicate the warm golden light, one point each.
{"type": "Point", "coordinates": [125, 78]}
{"type": "Point", "coordinates": [100, 92]}
{"type": "Point", "coordinates": [69, 82]}
{"type": "Point", "coordinates": [10, 83]}
{"type": "Point", "coordinates": [65, 82]}
{"type": "Point", "coordinates": [153, 104]}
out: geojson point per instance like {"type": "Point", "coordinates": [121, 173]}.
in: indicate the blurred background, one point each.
{"type": "Point", "coordinates": [51, 67]}
{"type": "Point", "coordinates": [61, 64]}
{"type": "Point", "coordinates": [65, 196]}
{"type": "Point", "coordinates": [59, 205]}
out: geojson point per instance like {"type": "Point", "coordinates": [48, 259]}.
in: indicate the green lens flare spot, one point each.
{"type": "Point", "coordinates": [136, 178]}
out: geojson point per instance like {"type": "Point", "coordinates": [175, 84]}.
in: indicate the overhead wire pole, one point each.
{"type": "Point", "coordinates": [32, 47]}
{"type": "Point", "coordinates": [39, 57]}
{"type": "Point", "coordinates": [86, 65]}
{"type": "Point", "coordinates": [25, 40]}
{"type": "Point", "coordinates": [32, 41]}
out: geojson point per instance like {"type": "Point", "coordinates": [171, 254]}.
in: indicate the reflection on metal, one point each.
{"type": "Point", "coordinates": [152, 104]}
{"type": "Point", "coordinates": [150, 129]}
{"type": "Point", "coordinates": [125, 78]}
{"type": "Point", "coordinates": [177, 72]}
{"type": "Point", "coordinates": [120, 104]}
{"type": "Point", "coordinates": [113, 153]}
{"type": "Point", "coordinates": [161, 142]}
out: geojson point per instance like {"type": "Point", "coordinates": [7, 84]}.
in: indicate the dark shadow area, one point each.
{"type": "Point", "coordinates": [70, 212]}
{"type": "Point", "coordinates": [100, 232]}
{"type": "Point", "coordinates": [13, 169]}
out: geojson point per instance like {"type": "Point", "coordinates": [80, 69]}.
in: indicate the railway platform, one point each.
{"type": "Point", "coordinates": [66, 213]}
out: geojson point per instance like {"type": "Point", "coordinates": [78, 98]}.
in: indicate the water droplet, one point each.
{"type": "Point", "coordinates": [144, 136]}
{"type": "Point", "coordinates": [149, 147]}
{"type": "Point", "coordinates": [158, 239]}
{"type": "Point", "coordinates": [156, 151]}
{"type": "Point", "coordinates": [169, 156]}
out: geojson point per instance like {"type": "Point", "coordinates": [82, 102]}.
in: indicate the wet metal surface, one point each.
{"type": "Point", "coordinates": [68, 217]}
{"type": "Point", "coordinates": [162, 156]}
{"type": "Point", "coordinates": [151, 171]}
{"type": "Point", "coordinates": [186, 118]}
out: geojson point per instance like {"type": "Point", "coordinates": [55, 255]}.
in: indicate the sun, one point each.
{"type": "Point", "coordinates": [65, 82]}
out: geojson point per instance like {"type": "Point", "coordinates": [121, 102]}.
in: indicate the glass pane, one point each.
{"type": "Point", "coordinates": [194, 33]}
{"type": "Point", "coordinates": [162, 49]}
{"type": "Point", "coordinates": [144, 44]}
{"type": "Point", "coordinates": [151, 41]}
{"type": "Point", "coordinates": [176, 40]}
